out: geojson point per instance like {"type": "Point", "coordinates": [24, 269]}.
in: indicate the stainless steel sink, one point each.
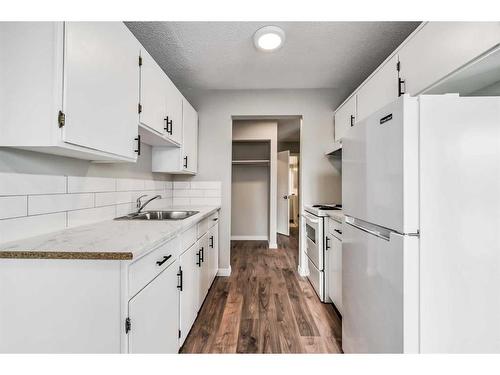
{"type": "Point", "coordinates": [159, 215]}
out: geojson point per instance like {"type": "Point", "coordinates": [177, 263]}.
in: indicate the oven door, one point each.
{"type": "Point", "coordinates": [314, 239]}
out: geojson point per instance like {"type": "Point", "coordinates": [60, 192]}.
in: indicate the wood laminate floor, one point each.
{"type": "Point", "coordinates": [264, 306]}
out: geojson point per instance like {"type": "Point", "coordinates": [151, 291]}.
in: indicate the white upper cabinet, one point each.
{"type": "Point", "coordinates": [440, 48]}
{"type": "Point", "coordinates": [190, 137]}
{"type": "Point", "coordinates": [183, 160]}
{"type": "Point", "coordinates": [153, 95]}
{"type": "Point", "coordinates": [70, 89]}
{"type": "Point", "coordinates": [100, 87]}
{"type": "Point", "coordinates": [345, 117]}
{"type": "Point", "coordinates": [174, 111]}
{"type": "Point", "coordinates": [161, 104]}
{"type": "Point", "coordinates": [380, 90]}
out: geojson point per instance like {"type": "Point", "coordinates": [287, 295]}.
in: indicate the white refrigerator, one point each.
{"type": "Point", "coordinates": [421, 243]}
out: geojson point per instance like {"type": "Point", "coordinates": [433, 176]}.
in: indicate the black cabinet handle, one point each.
{"type": "Point", "coordinates": [138, 149]}
{"type": "Point", "coordinates": [185, 161]}
{"type": "Point", "coordinates": [327, 243]}
{"type": "Point", "coordinates": [352, 120]}
{"type": "Point", "coordinates": [401, 82]}
{"type": "Point", "coordinates": [165, 258]}
{"type": "Point", "coordinates": [202, 252]}
{"type": "Point", "coordinates": [179, 286]}
{"type": "Point", "coordinates": [338, 231]}
{"type": "Point", "coordinates": [198, 263]}
{"type": "Point", "coordinates": [215, 219]}
{"type": "Point", "coordinates": [211, 242]}
{"type": "Point", "coordinates": [167, 124]}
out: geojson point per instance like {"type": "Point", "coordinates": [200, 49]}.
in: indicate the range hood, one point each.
{"type": "Point", "coordinates": [335, 150]}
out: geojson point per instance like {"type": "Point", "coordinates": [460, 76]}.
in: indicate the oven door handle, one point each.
{"type": "Point", "coordinates": [310, 218]}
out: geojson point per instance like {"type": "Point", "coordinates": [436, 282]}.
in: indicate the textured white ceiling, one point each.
{"type": "Point", "coordinates": [221, 55]}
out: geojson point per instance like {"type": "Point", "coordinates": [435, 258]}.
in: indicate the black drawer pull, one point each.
{"type": "Point", "coordinates": [327, 243]}
{"type": "Point", "coordinates": [202, 253]}
{"type": "Point", "coordinates": [338, 231]}
{"type": "Point", "coordinates": [179, 286]}
{"type": "Point", "coordinates": [198, 254]}
{"type": "Point", "coordinates": [211, 242]}
{"type": "Point", "coordinates": [165, 258]}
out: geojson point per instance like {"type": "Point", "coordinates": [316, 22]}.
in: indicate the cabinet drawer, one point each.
{"type": "Point", "coordinates": [335, 228]}
{"type": "Point", "coordinates": [188, 238]}
{"type": "Point", "coordinates": [213, 219]}
{"type": "Point", "coordinates": [147, 268]}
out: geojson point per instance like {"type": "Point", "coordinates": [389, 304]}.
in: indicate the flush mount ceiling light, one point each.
{"type": "Point", "coordinates": [269, 38]}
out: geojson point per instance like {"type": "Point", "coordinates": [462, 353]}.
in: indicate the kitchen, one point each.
{"type": "Point", "coordinates": [117, 177]}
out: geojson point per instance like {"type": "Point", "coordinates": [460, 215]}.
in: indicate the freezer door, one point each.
{"type": "Point", "coordinates": [379, 292]}
{"type": "Point", "coordinates": [380, 167]}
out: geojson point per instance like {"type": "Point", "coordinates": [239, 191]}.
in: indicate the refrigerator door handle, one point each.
{"type": "Point", "coordinates": [369, 231]}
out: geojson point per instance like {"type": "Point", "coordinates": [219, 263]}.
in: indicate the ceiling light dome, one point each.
{"type": "Point", "coordinates": [269, 38]}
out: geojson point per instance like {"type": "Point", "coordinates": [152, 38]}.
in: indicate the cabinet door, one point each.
{"type": "Point", "coordinates": [189, 296]}
{"type": "Point", "coordinates": [345, 117]}
{"type": "Point", "coordinates": [380, 90]}
{"type": "Point", "coordinates": [174, 110]}
{"type": "Point", "coordinates": [335, 271]}
{"type": "Point", "coordinates": [101, 90]}
{"type": "Point", "coordinates": [190, 137]}
{"type": "Point", "coordinates": [440, 48]}
{"type": "Point", "coordinates": [214, 252]}
{"type": "Point", "coordinates": [204, 267]}
{"type": "Point", "coordinates": [154, 315]}
{"type": "Point", "coordinates": [153, 94]}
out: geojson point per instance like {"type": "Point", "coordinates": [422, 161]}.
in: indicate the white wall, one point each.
{"type": "Point", "coordinates": [320, 179]}
{"type": "Point", "coordinates": [260, 130]}
{"type": "Point", "coordinates": [250, 202]}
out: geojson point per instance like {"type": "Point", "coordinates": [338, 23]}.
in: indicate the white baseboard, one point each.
{"type": "Point", "coordinates": [273, 245]}
{"type": "Point", "coordinates": [225, 272]}
{"type": "Point", "coordinates": [302, 272]}
{"type": "Point", "coordinates": [249, 238]}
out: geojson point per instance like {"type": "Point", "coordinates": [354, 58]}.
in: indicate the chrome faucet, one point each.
{"type": "Point", "coordinates": [140, 206]}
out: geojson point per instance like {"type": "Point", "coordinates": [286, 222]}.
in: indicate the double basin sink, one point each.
{"type": "Point", "coordinates": [158, 215]}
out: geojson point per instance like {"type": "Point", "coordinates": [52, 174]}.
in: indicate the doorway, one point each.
{"type": "Point", "coordinates": [265, 188]}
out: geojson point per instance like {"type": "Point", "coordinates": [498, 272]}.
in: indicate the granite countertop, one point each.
{"type": "Point", "coordinates": [106, 240]}
{"type": "Point", "coordinates": [337, 215]}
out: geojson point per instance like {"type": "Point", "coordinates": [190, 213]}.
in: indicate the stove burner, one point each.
{"type": "Point", "coordinates": [327, 208]}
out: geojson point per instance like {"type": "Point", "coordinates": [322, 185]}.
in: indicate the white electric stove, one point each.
{"type": "Point", "coordinates": [314, 229]}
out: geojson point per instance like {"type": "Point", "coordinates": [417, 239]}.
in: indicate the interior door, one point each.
{"type": "Point", "coordinates": [153, 94]}
{"type": "Point", "coordinates": [101, 87]}
{"type": "Point", "coordinates": [189, 296]}
{"type": "Point", "coordinates": [154, 315]}
{"type": "Point", "coordinates": [283, 187]}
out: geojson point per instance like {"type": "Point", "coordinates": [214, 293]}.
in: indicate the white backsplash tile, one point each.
{"type": "Point", "coordinates": [78, 184]}
{"type": "Point", "coordinates": [91, 215]}
{"type": "Point", "coordinates": [205, 201]}
{"type": "Point", "coordinates": [108, 199]}
{"type": "Point", "coordinates": [154, 185]}
{"type": "Point", "coordinates": [128, 184]}
{"type": "Point", "coordinates": [29, 226]}
{"type": "Point", "coordinates": [13, 206]}
{"type": "Point", "coordinates": [26, 184]}
{"type": "Point", "coordinates": [205, 185]}
{"type": "Point", "coordinates": [181, 185]}
{"type": "Point", "coordinates": [44, 204]}
{"type": "Point", "coordinates": [212, 193]}
{"type": "Point", "coordinates": [180, 201]}
{"type": "Point", "coordinates": [125, 209]}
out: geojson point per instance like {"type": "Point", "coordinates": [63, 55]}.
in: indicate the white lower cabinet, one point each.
{"type": "Point", "coordinates": [204, 268]}
{"type": "Point", "coordinates": [154, 312]}
{"type": "Point", "coordinates": [213, 251]}
{"type": "Point", "coordinates": [189, 295]}
{"type": "Point", "coordinates": [335, 272]}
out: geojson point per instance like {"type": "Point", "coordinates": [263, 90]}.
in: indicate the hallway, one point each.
{"type": "Point", "coordinates": [264, 306]}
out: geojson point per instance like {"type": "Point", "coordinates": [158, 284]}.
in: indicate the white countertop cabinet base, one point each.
{"type": "Point", "coordinates": [109, 306]}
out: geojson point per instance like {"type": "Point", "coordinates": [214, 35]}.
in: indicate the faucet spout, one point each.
{"type": "Point", "coordinates": [141, 206]}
